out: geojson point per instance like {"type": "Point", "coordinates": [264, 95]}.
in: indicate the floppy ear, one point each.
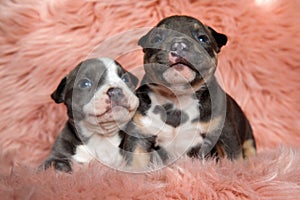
{"type": "Point", "coordinates": [134, 80]}
{"type": "Point", "coordinates": [143, 40]}
{"type": "Point", "coordinates": [220, 38]}
{"type": "Point", "coordinates": [59, 94]}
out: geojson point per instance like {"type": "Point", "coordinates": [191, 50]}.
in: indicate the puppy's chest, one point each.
{"type": "Point", "coordinates": [103, 149]}
{"type": "Point", "coordinates": [175, 113]}
{"type": "Point", "coordinates": [172, 121]}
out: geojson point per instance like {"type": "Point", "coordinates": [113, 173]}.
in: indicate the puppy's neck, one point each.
{"type": "Point", "coordinates": [84, 130]}
{"type": "Point", "coordinates": [163, 91]}
{"type": "Point", "coordinates": [172, 92]}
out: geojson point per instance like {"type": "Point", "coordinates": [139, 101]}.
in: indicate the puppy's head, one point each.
{"type": "Point", "coordinates": [99, 95]}
{"type": "Point", "coordinates": [180, 51]}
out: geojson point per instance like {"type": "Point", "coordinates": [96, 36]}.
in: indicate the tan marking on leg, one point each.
{"type": "Point", "coordinates": [140, 158]}
{"type": "Point", "coordinates": [210, 125]}
{"type": "Point", "coordinates": [248, 148]}
{"type": "Point", "coordinates": [220, 150]}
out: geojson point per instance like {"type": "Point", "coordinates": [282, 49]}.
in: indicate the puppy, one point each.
{"type": "Point", "coordinates": [183, 109]}
{"type": "Point", "coordinates": [99, 97]}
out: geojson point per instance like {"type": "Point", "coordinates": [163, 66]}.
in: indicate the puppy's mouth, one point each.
{"type": "Point", "coordinates": [179, 63]}
{"type": "Point", "coordinates": [116, 102]}
{"type": "Point", "coordinates": [111, 109]}
{"type": "Point", "coordinates": [114, 108]}
{"type": "Point", "coordinates": [180, 71]}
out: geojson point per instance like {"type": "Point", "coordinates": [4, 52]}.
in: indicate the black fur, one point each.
{"type": "Point", "coordinates": [170, 116]}
{"type": "Point", "coordinates": [199, 47]}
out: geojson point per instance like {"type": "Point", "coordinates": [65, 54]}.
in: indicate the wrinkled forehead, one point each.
{"type": "Point", "coordinates": [96, 69]}
{"type": "Point", "coordinates": [91, 68]}
{"type": "Point", "coordinates": [180, 23]}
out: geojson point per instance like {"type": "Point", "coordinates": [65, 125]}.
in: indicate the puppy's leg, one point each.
{"type": "Point", "coordinates": [236, 138]}
{"type": "Point", "coordinates": [62, 151]}
{"type": "Point", "coordinates": [137, 153]}
{"type": "Point", "coordinates": [249, 146]}
{"type": "Point", "coordinates": [242, 129]}
{"type": "Point", "coordinates": [221, 153]}
{"type": "Point", "coordinates": [211, 146]}
{"type": "Point", "coordinates": [59, 164]}
{"type": "Point", "coordinates": [140, 158]}
{"type": "Point", "coordinates": [137, 149]}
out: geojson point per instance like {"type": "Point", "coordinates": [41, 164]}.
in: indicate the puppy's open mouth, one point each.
{"type": "Point", "coordinates": [179, 63]}
{"type": "Point", "coordinates": [180, 71]}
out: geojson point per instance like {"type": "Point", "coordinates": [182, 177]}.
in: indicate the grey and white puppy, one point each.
{"type": "Point", "coordinates": [100, 100]}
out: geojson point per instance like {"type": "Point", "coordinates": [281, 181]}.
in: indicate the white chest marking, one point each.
{"type": "Point", "coordinates": [104, 149]}
{"type": "Point", "coordinates": [176, 140]}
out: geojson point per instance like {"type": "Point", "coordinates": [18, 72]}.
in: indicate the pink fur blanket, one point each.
{"type": "Point", "coordinates": [40, 41]}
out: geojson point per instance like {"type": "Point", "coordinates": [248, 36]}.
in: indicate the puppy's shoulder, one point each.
{"type": "Point", "coordinates": [68, 136]}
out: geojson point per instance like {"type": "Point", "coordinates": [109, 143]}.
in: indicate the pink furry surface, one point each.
{"type": "Point", "coordinates": [40, 41]}
{"type": "Point", "coordinates": [275, 179]}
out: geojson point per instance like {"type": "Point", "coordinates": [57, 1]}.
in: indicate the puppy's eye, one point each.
{"type": "Point", "coordinates": [85, 84]}
{"type": "Point", "coordinates": [125, 78]}
{"type": "Point", "coordinates": [157, 38]}
{"type": "Point", "coordinates": [202, 38]}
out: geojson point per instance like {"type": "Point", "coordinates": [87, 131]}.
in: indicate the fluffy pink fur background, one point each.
{"type": "Point", "coordinates": [40, 41]}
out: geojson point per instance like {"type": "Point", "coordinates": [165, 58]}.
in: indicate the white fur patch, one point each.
{"type": "Point", "coordinates": [175, 140]}
{"type": "Point", "coordinates": [104, 149]}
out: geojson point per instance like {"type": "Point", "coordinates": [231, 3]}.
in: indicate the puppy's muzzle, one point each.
{"type": "Point", "coordinates": [117, 97]}
{"type": "Point", "coordinates": [115, 94]}
{"type": "Point", "coordinates": [179, 48]}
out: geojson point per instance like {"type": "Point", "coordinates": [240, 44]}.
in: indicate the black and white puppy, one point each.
{"type": "Point", "coordinates": [183, 109]}
{"type": "Point", "coordinates": [100, 100]}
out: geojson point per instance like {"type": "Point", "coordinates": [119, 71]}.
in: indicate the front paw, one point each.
{"type": "Point", "coordinates": [201, 151]}
{"type": "Point", "coordinates": [60, 165]}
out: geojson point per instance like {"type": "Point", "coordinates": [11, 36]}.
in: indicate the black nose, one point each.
{"type": "Point", "coordinates": [115, 93]}
{"type": "Point", "coordinates": [179, 47]}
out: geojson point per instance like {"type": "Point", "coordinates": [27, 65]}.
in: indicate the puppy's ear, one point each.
{"type": "Point", "coordinates": [59, 94]}
{"type": "Point", "coordinates": [220, 38]}
{"type": "Point", "coordinates": [134, 80]}
{"type": "Point", "coordinates": [142, 40]}
{"type": "Point", "coordinates": [131, 80]}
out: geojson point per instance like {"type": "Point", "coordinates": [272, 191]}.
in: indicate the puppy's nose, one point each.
{"type": "Point", "coordinates": [115, 93]}
{"type": "Point", "coordinates": [179, 47]}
